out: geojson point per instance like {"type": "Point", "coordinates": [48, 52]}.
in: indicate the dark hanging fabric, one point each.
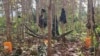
{"type": "Point", "coordinates": [63, 16]}
{"type": "Point", "coordinates": [43, 11]}
{"type": "Point", "coordinates": [19, 16]}
{"type": "Point", "coordinates": [55, 31]}
{"type": "Point", "coordinates": [42, 21]}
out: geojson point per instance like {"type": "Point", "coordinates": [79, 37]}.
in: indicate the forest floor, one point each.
{"type": "Point", "coordinates": [69, 48]}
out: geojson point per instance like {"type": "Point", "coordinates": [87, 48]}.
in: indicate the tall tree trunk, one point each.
{"type": "Point", "coordinates": [18, 33]}
{"type": "Point", "coordinates": [37, 13]}
{"type": "Point", "coordinates": [73, 6]}
{"type": "Point", "coordinates": [63, 26]}
{"type": "Point", "coordinates": [90, 16]}
{"type": "Point", "coordinates": [80, 14]}
{"type": "Point", "coordinates": [23, 17]}
{"type": "Point", "coordinates": [49, 28]}
{"type": "Point", "coordinates": [91, 21]}
{"type": "Point", "coordinates": [8, 20]}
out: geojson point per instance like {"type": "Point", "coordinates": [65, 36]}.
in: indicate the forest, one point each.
{"type": "Point", "coordinates": [49, 28]}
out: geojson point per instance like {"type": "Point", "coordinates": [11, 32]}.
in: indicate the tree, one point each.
{"type": "Point", "coordinates": [49, 27]}
{"type": "Point", "coordinates": [6, 4]}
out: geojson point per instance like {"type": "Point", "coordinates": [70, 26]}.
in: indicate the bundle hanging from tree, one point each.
{"type": "Point", "coordinates": [42, 19]}
{"type": "Point", "coordinates": [55, 31]}
{"type": "Point", "coordinates": [63, 16]}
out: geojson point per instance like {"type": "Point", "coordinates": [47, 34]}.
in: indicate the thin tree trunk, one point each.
{"type": "Point", "coordinates": [49, 28]}
{"type": "Point", "coordinates": [23, 17]}
{"type": "Point", "coordinates": [91, 21]}
{"type": "Point", "coordinates": [63, 26]}
{"type": "Point", "coordinates": [90, 15]}
{"type": "Point", "coordinates": [8, 21]}
{"type": "Point", "coordinates": [80, 14]}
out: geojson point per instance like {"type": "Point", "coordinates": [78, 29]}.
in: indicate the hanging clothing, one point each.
{"type": "Point", "coordinates": [63, 16]}
{"type": "Point", "coordinates": [42, 22]}
{"type": "Point", "coordinates": [55, 30]}
{"type": "Point", "coordinates": [42, 19]}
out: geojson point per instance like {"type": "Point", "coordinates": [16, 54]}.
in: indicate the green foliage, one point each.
{"type": "Point", "coordinates": [2, 24]}
{"type": "Point", "coordinates": [16, 22]}
{"type": "Point", "coordinates": [98, 28]}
